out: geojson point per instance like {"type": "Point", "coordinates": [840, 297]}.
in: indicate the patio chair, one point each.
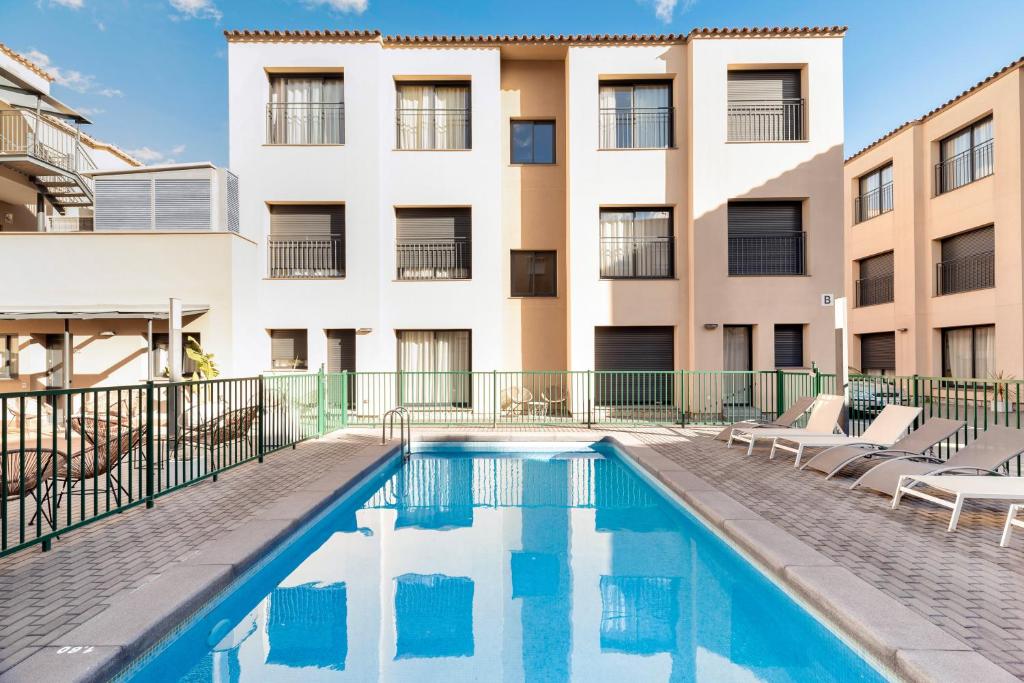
{"type": "Point", "coordinates": [784, 421]}
{"type": "Point", "coordinates": [962, 488]}
{"type": "Point", "coordinates": [985, 455]}
{"type": "Point", "coordinates": [38, 470]}
{"type": "Point", "coordinates": [95, 461]}
{"type": "Point", "coordinates": [823, 421]}
{"type": "Point", "coordinates": [514, 400]}
{"type": "Point", "coordinates": [233, 425]}
{"type": "Point", "coordinates": [884, 431]}
{"type": "Point", "coordinates": [555, 399]}
{"type": "Point", "coordinates": [918, 442]}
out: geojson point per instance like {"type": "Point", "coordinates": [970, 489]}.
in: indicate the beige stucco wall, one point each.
{"type": "Point", "coordinates": [533, 215]}
{"type": "Point", "coordinates": [919, 219]}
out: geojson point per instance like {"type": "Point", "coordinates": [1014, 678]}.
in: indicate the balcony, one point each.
{"type": "Point", "coordinates": [70, 224]}
{"type": "Point", "coordinates": [306, 123]}
{"type": "Point", "coordinates": [964, 168]}
{"type": "Point", "coordinates": [965, 274]}
{"type": "Point", "coordinates": [309, 257]}
{"type": "Point", "coordinates": [766, 120]}
{"type": "Point", "coordinates": [871, 291]}
{"type": "Point", "coordinates": [636, 128]}
{"type": "Point", "coordinates": [432, 129]}
{"type": "Point", "coordinates": [873, 203]}
{"type": "Point", "coordinates": [434, 259]}
{"type": "Point", "coordinates": [767, 253]}
{"type": "Point", "coordinates": [637, 258]}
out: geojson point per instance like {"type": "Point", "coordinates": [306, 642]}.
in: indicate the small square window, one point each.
{"type": "Point", "coordinates": [288, 349]}
{"type": "Point", "coordinates": [533, 142]}
{"type": "Point", "coordinates": [533, 273]}
{"type": "Point", "coordinates": [789, 346]}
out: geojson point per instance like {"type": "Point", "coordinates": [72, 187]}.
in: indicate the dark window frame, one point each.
{"type": "Point", "coordinates": [974, 351]}
{"type": "Point", "coordinates": [669, 240]}
{"type": "Point", "coordinates": [866, 288]}
{"type": "Point", "coordinates": [534, 294]}
{"type": "Point", "coordinates": [300, 333]}
{"type": "Point", "coordinates": [9, 356]}
{"type": "Point", "coordinates": [287, 252]}
{"type": "Point", "coordinates": [281, 129]}
{"type": "Point", "coordinates": [788, 327]}
{"type": "Point", "coordinates": [533, 142]}
{"type": "Point", "coordinates": [744, 241]}
{"type": "Point", "coordinates": [949, 282]}
{"type": "Point", "coordinates": [886, 200]}
{"type": "Point", "coordinates": [971, 153]}
{"type": "Point", "coordinates": [433, 126]}
{"type": "Point", "coordinates": [670, 110]}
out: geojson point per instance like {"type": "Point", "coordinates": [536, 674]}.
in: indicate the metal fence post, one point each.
{"type": "Point", "coordinates": [817, 381]}
{"type": "Point", "coordinates": [149, 444]}
{"type": "Point", "coordinates": [259, 419]}
{"type": "Point", "coordinates": [344, 399]}
{"type": "Point", "coordinates": [321, 399]}
{"type": "Point", "coordinates": [917, 396]}
{"type": "Point", "coordinates": [494, 399]}
{"type": "Point", "coordinates": [589, 419]}
{"type": "Point", "coordinates": [780, 392]}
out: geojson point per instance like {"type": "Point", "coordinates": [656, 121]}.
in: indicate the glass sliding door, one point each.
{"type": "Point", "coordinates": [435, 367]}
{"type": "Point", "coordinates": [737, 389]}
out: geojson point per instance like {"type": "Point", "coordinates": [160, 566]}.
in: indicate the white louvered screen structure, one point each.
{"type": "Point", "coordinates": [182, 204]}
{"type": "Point", "coordinates": [232, 201]}
{"type": "Point", "coordinates": [123, 205]}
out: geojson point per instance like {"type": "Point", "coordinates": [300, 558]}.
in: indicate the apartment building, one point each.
{"type": "Point", "coordinates": [539, 202]}
{"type": "Point", "coordinates": [933, 239]}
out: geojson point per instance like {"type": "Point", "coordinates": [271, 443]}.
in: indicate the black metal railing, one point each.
{"type": "Point", "coordinates": [767, 253]}
{"type": "Point", "coordinates": [873, 203]}
{"type": "Point", "coordinates": [636, 128]}
{"type": "Point", "coordinates": [638, 258]}
{"type": "Point", "coordinates": [977, 271]}
{"type": "Point", "coordinates": [306, 123]}
{"type": "Point", "coordinates": [434, 259]}
{"type": "Point", "coordinates": [874, 290]}
{"type": "Point", "coordinates": [426, 129]}
{"type": "Point", "coordinates": [966, 167]}
{"type": "Point", "coordinates": [766, 120]}
{"type": "Point", "coordinates": [306, 256]}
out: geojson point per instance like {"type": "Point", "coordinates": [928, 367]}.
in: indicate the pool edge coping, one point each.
{"type": "Point", "coordinates": [121, 633]}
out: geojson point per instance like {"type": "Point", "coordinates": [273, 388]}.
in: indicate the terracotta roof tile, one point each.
{"type": "Point", "coordinates": [26, 62]}
{"type": "Point", "coordinates": [1017, 63]}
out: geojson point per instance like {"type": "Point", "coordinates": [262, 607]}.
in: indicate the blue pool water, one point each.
{"type": "Point", "coordinates": [506, 562]}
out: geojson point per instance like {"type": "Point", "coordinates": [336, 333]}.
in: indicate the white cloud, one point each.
{"type": "Point", "coordinates": [197, 9]}
{"type": "Point", "coordinates": [177, 150]}
{"type": "Point", "coordinates": [353, 6]}
{"type": "Point", "coordinates": [73, 4]}
{"type": "Point", "coordinates": [665, 9]}
{"type": "Point", "coordinates": [149, 155]}
{"type": "Point", "coordinates": [71, 78]}
{"type": "Point", "coordinates": [89, 111]}
{"type": "Point", "coordinates": [110, 92]}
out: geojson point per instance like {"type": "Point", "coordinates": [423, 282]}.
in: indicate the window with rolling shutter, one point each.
{"type": "Point", "coordinates": [766, 238]}
{"type": "Point", "coordinates": [433, 244]}
{"type": "Point", "coordinates": [341, 350]}
{"type": "Point", "coordinates": [765, 106]}
{"type": "Point", "coordinates": [875, 280]}
{"type": "Point", "coordinates": [637, 349]}
{"type": "Point", "coordinates": [306, 241]}
{"type": "Point", "coordinates": [968, 262]}
{"type": "Point", "coordinates": [878, 353]}
{"type": "Point", "coordinates": [789, 346]}
{"type": "Point", "coordinates": [182, 204]}
{"type": "Point", "coordinates": [123, 205]}
{"type": "Point", "coordinates": [288, 349]}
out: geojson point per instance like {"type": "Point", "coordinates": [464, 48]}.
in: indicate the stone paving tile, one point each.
{"type": "Point", "coordinates": [45, 595]}
{"type": "Point", "coordinates": [963, 581]}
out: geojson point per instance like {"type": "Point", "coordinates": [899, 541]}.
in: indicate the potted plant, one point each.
{"type": "Point", "coordinates": [1005, 390]}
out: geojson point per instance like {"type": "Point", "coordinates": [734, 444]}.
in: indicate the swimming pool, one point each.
{"type": "Point", "coordinates": [506, 562]}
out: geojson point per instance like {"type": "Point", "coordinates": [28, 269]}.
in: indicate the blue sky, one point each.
{"type": "Point", "coordinates": [152, 74]}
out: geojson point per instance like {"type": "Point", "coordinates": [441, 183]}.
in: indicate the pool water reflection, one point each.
{"type": "Point", "coordinates": [508, 562]}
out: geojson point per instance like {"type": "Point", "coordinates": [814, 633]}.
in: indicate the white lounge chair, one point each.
{"type": "Point", "coordinates": [1011, 521]}
{"type": "Point", "coordinates": [884, 431]}
{"type": "Point", "coordinates": [964, 488]}
{"type": "Point", "coordinates": [823, 420]}
{"type": "Point", "coordinates": [784, 421]}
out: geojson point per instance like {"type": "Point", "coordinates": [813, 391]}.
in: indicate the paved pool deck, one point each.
{"type": "Point", "coordinates": [930, 605]}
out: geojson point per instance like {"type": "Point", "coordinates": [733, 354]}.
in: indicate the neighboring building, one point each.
{"type": "Point", "coordinates": [933, 239]}
{"type": "Point", "coordinates": [540, 202]}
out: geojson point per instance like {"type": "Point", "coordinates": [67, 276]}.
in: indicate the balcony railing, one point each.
{"type": "Point", "coordinates": [874, 290]}
{"type": "Point", "coordinates": [22, 132]}
{"type": "Point", "coordinates": [71, 224]}
{"type": "Point", "coordinates": [434, 259]}
{"type": "Point", "coordinates": [306, 123]}
{"type": "Point", "coordinates": [637, 258]}
{"type": "Point", "coordinates": [873, 203]}
{"type": "Point", "coordinates": [636, 128]}
{"type": "Point", "coordinates": [766, 120]}
{"type": "Point", "coordinates": [767, 253]}
{"type": "Point", "coordinates": [426, 129]}
{"type": "Point", "coordinates": [966, 167]}
{"type": "Point", "coordinates": [977, 271]}
{"type": "Point", "coordinates": [306, 257]}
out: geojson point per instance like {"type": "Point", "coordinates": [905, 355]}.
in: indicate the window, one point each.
{"type": "Point", "coordinates": [433, 616]}
{"type": "Point", "coordinates": [789, 346]}
{"type": "Point", "coordinates": [434, 244]}
{"type": "Point", "coordinates": [636, 115]}
{"type": "Point", "coordinates": [161, 361]}
{"type": "Point", "coordinates": [875, 284]}
{"type": "Point", "coordinates": [637, 243]}
{"type": "Point", "coordinates": [307, 626]}
{"type": "Point", "coordinates": [288, 349]}
{"type": "Point", "coordinates": [306, 241]}
{"type": "Point", "coordinates": [533, 142]}
{"type": "Point", "coordinates": [765, 106]}
{"type": "Point", "coordinates": [625, 358]}
{"type": "Point", "coordinates": [435, 367]}
{"type": "Point", "coordinates": [875, 194]}
{"type": "Point", "coordinates": [433, 116]}
{"type": "Point", "coordinates": [965, 156]}
{"type": "Point", "coordinates": [8, 356]}
{"type": "Point", "coordinates": [341, 357]}
{"type": "Point", "coordinates": [534, 273]}
{"type": "Point", "coordinates": [766, 238]}
{"type": "Point", "coordinates": [968, 262]}
{"type": "Point", "coordinates": [878, 353]}
{"type": "Point", "coordinates": [969, 352]}
{"type": "Point", "coordinates": [306, 109]}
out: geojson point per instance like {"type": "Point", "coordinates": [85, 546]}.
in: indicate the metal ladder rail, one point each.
{"type": "Point", "coordinates": [404, 429]}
